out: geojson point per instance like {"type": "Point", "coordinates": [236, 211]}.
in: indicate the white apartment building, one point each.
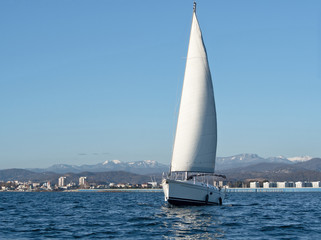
{"type": "Point", "coordinates": [254, 184]}
{"type": "Point", "coordinates": [282, 184]}
{"type": "Point", "coordinates": [298, 184]}
{"type": "Point", "coordinates": [316, 184]}
{"type": "Point", "coordinates": [82, 181]}
{"type": "Point", "coordinates": [61, 182]}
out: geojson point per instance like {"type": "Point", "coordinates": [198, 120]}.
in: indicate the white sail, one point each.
{"type": "Point", "coordinates": [196, 132]}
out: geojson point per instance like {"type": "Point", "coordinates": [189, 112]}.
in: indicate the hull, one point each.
{"type": "Point", "coordinates": [191, 193]}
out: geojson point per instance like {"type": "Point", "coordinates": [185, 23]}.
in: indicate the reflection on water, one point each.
{"type": "Point", "coordinates": [192, 222]}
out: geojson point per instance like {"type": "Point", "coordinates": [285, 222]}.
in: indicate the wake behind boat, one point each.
{"type": "Point", "coordinates": [194, 150]}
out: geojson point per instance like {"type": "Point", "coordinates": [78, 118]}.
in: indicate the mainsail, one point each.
{"type": "Point", "coordinates": [196, 132]}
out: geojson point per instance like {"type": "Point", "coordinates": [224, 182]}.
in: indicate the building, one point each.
{"type": "Point", "coordinates": [146, 185]}
{"type": "Point", "coordinates": [316, 184]}
{"type": "Point", "coordinates": [282, 184]}
{"type": "Point", "coordinates": [154, 184]}
{"type": "Point", "coordinates": [61, 182]}
{"type": "Point", "coordinates": [254, 184]}
{"type": "Point", "coordinates": [298, 184]}
{"type": "Point", "coordinates": [82, 181]}
{"type": "Point", "coordinates": [71, 185]}
{"type": "Point", "coordinates": [269, 185]}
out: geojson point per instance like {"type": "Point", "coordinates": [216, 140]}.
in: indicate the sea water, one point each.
{"type": "Point", "coordinates": [89, 215]}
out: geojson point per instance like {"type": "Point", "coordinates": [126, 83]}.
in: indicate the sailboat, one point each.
{"type": "Point", "coordinates": [194, 149]}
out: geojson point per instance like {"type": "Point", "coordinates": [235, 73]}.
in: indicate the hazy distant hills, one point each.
{"type": "Point", "coordinates": [307, 171]}
{"type": "Point", "coordinates": [244, 167]}
{"type": "Point", "coordinates": [96, 177]}
{"type": "Point", "coordinates": [150, 166]}
{"type": "Point", "coordinates": [24, 175]}
{"type": "Point", "coordinates": [243, 160]}
{"type": "Point", "coordinates": [239, 167]}
{"type": "Point", "coordinates": [140, 167]}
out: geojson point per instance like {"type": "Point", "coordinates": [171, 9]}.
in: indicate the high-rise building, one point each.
{"type": "Point", "coordinates": [82, 181]}
{"type": "Point", "coordinates": [61, 182]}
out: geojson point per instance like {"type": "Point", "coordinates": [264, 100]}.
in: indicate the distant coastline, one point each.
{"type": "Point", "coordinates": [271, 190]}
{"type": "Point", "coordinates": [159, 190]}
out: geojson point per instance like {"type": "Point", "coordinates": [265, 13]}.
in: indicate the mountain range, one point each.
{"type": "Point", "coordinates": [151, 166]}
{"type": "Point", "coordinates": [240, 167]}
{"type": "Point", "coordinates": [139, 167]}
{"type": "Point", "coordinates": [309, 170]}
{"type": "Point", "coordinates": [246, 159]}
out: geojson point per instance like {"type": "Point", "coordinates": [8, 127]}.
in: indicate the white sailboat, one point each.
{"type": "Point", "coordinates": [194, 150]}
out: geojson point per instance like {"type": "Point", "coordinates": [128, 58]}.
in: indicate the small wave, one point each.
{"type": "Point", "coordinates": [232, 224]}
{"type": "Point", "coordinates": [138, 219]}
{"type": "Point", "coordinates": [242, 205]}
{"type": "Point", "coordinates": [289, 226]}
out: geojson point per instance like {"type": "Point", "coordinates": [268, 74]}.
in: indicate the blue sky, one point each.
{"type": "Point", "coordinates": [82, 82]}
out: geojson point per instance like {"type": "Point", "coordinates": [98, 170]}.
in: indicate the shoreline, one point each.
{"type": "Point", "coordinates": [260, 190]}
{"type": "Point", "coordinates": [157, 190]}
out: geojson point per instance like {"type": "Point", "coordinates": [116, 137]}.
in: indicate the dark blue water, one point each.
{"type": "Point", "coordinates": [145, 216]}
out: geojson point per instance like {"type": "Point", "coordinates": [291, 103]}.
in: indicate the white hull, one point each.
{"type": "Point", "coordinates": [191, 193]}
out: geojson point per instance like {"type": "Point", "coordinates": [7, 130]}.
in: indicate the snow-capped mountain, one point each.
{"type": "Point", "coordinates": [111, 162]}
{"type": "Point", "coordinates": [246, 159]}
{"type": "Point", "coordinates": [140, 167]}
{"type": "Point", "coordinates": [151, 166]}
{"type": "Point", "coordinates": [300, 159]}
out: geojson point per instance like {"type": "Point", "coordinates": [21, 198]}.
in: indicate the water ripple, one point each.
{"type": "Point", "coordinates": [146, 216]}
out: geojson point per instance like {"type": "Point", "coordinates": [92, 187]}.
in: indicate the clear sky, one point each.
{"type": "Point", "coordinates": [82, 82]}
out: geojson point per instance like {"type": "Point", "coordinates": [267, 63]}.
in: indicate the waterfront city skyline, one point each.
{"type": "Point", "coordinates": [94, 81]}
